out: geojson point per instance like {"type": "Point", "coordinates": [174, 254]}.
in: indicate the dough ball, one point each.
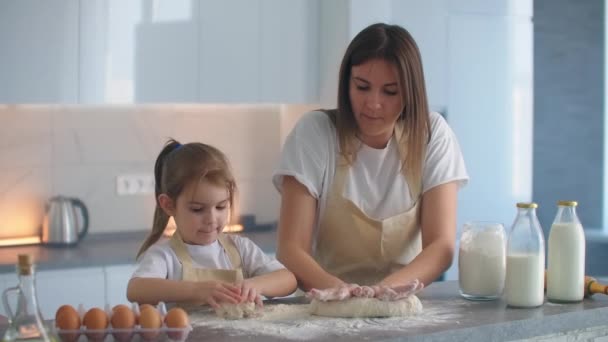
{"type": "Point", "coordinates": [366, 307]}
{"type": "Point", "coordinates": [236, 311]}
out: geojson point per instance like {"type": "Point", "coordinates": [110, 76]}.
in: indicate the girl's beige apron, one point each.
{"type": "Point", "coordinates": [361, 250]}
{"type": "Point", "coordinates": [192, 273]}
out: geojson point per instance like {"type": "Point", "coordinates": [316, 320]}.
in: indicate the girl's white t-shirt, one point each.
{"type": "Point", "coordinates": [160, 261]}
{"type": "Point", "coordinates": [374, 182]}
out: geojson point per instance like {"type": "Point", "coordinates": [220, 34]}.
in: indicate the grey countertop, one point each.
{"type": "Point", "coordinates": [99, 250]}
{"type": "Point", "coordinates": [446, 317]}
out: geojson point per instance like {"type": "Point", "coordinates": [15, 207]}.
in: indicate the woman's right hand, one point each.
{"type": "Point", "coordinates": [216, 292]}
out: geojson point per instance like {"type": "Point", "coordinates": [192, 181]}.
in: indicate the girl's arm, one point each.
{"type": "Point", "coordinates": [438, 224]}
{"type": "Point", "coordinates": [154, 290]}
{"type": "Point", "coordinates": [295, 234]}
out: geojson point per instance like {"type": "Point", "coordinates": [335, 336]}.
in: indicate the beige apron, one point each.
{"type": "Point", "coordinates": [361, 250]}
{"type": "Point", "coordinates": [191, 273]}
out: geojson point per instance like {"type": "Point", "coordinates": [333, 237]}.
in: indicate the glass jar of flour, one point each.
{"type": "Point", "coordinates": [482, 260]}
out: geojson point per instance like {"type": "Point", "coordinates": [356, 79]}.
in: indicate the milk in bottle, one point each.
{"type": "Point", "coordinates": [524, 283]}
{"type": "Point", "coordinates": [566, 256]}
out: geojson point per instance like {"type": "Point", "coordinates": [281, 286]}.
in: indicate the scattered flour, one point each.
{"type": "Point", "coordinates": [294, 321]}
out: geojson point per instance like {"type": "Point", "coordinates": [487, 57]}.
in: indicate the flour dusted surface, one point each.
{"type": "Point", "coordinates": [294, 322]}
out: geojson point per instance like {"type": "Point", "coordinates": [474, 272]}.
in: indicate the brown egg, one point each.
{"type": "Point", "coordinates": [175, 319]}
{"type": "Point", "coordinates": [150, 320]}
{"type": "Point", "coordinates": [95, 319]}
{"type": "Point", "coordinates": [67, 318]}
{"type": "Point", "coordinates": [141, 308]}
{"type": "Point", "coordinates": [122, 317]}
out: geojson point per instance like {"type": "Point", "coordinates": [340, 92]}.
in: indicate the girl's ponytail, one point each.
{"type": "Point", "coordinates": [161, 218]}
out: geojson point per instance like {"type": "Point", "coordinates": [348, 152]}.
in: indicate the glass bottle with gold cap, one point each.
{"type": "Point", "coordinates": [524, 282]}
{"type": "Point", "coordinates": [26, 323]}
{"type": "Point", "coordinates": [566, 256]}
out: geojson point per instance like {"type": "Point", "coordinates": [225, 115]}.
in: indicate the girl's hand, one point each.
{"type": "Point", "coordinates": [249, 293]}
{"type": "Point", "coordinates": [215, 292]}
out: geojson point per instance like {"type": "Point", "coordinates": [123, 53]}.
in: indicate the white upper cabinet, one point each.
{"type": "Point", "coordinates": [138, 51]}
{"type": "Point", "coordinates": [229, 51]}
{"type": "Point", "coordinates": [289, 51]}
{"type": "Point", "coordinates": [39, 54]}
{"type": "Point", "coordinates": [212, 51]}
{"type": "Point", "coordinates": [257, 51]}
{"type": "Point", "coordinates": [427, 21]}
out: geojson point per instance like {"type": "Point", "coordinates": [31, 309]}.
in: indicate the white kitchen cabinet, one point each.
{"type": "Point", "coordinates": [427, 22]}
{"type": "Point", "coordinates": [71, 286]}
{"type": "Point", "coordinates": [138, 51]}
{"type": "Point", "coordinates": [39, 54]}
{"type": "Point", "coordinates": [289, 51]}
{"type": "Point", "coordinates": [117, 279]}
{"type": "Point", "coordinates": [229, 62]}
{"type": "Point", "coordinates": [339, 22]}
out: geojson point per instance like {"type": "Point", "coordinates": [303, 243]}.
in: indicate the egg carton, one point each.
{"type": "Point", "coordinates": [136, 334]}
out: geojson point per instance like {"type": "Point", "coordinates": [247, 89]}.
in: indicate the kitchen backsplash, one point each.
{"type": "Point", "coordinates": [79, 151]}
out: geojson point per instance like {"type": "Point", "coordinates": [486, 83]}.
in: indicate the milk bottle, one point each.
{"type": "Point", "coordinates": [566, 258]}
{"type": "Point", "coordinates": [524, 283]}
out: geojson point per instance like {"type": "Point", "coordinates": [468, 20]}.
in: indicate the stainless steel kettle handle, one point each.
{"type": "Point", "coordinates": [85, 216]}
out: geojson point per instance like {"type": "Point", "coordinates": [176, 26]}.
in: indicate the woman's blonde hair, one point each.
{"type": "Point", "coordinates": [395, 45]}
{"type": "Point", "coordinates": [179, 165]}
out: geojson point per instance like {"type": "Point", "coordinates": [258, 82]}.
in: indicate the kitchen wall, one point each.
{"type": "Point", "coordinates": [569, 107]}
{"type": "Point", "coordinates": [48, 150]}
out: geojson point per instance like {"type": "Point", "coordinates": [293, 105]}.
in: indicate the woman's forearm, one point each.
{"type": "Point", "coordinates": [153, 290]}
{"type": "Point", "coordinates": [435, 259]}
{"type": "Point", "coordinates": [275, 284]}
{"type": "Point", "coordinates": [309, 273]}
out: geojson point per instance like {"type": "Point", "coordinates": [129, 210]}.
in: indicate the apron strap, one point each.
{"type": "Point", "coordinates": [233, 253]}
{"type": "Point", "coordinates": [226, 243]}
{"type": "Point", "coordinates": [179, 247]}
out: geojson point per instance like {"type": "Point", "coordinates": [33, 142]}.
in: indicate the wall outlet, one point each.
{"type": "Point", "coordinates": [134, 184]}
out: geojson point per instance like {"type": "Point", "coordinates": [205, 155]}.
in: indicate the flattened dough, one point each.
{"type": "Point", "coordinates": [366, 307]}
{"type": "Point", "coordinates": [236, 311]}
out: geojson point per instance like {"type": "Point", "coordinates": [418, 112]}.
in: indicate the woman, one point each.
{"type": "Point", "coordinates": [369, 190]}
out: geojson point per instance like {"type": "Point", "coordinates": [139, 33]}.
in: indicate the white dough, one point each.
{"type": "Point", "coordinates": [366, 307]}
{"type": "Point", "coordinates": [236, 311]}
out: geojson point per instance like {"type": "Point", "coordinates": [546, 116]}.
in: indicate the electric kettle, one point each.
{"type": "Point", "coordinates": [61, 224]}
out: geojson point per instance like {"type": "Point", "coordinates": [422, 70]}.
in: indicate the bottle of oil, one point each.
{"type": "Point", "coordinates": [26, 323]}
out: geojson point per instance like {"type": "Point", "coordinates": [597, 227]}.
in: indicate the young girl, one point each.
{"type": "Point", "coordinates": [200, 264]}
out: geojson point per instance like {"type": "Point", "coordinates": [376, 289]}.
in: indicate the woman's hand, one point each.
{"type": "Point", "coordinates": [341, 292]}
{"type": "Point", "coordinates": [215, 292]}
{"type": "Point", "coordinates": [381, 292]}
{"type": "Point", "coordinates": [250, 293]}
{"type": "Point", "coordinates": [392, 293]}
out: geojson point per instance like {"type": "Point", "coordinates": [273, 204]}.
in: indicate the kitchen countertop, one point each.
{"type": "Point", "coordinates": [99, 250]}
{"type": "Point", "coordinates": [446, 317]}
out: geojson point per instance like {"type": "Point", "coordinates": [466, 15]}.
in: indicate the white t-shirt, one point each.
{"type": "Point", "coordinates": [374, 182]}
{"type": "Point", "coordinates": [160, 261]}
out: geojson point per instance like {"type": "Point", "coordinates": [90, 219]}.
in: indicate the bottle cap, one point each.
{"type": "Point", "coordinates": [24, 264]}
{"type": "Point", "coordinates": [567, 203]}
{"type": "Point", "coordinates": [527, 205]}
